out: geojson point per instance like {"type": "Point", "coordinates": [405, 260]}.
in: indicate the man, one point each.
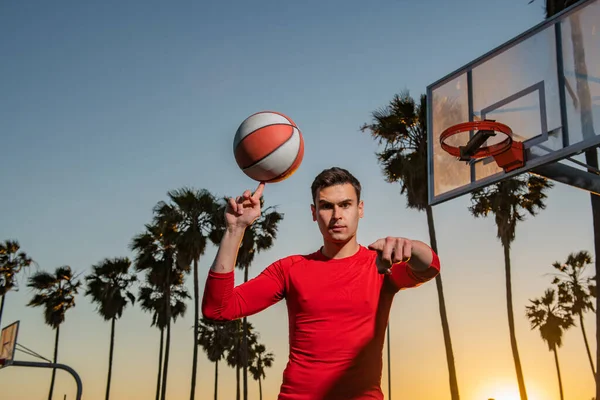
{"type": "Point", "coordinates": [338, 298]}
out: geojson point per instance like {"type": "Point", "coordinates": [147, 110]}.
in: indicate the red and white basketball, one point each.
{"type": "Point", "coordinates": [268, 146]}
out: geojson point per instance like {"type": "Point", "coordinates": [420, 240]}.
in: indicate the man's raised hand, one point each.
{"type": "Point", "coordinates": [242, 211]}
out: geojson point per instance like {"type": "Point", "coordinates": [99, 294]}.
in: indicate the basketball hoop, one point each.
{"type": "Point", "coordinates": [508, 154]}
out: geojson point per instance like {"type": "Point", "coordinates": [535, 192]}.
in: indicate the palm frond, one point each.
{"type": "Point", "coordinates": [55, 293]}
{"type": "Point", "coordinates": [41, 280]}
{"type": "Point", "coordinates": [108, 286]}
{"type": "Point", "coordinates": [572, 282]}
{"type": "Point", "coordinates": [12, 261]}
{"type": "Point", "coordinates": [401, 129]}
{"type": "Point", "coordinates": [547, 315]}
{"type": "Point", "coordinates": [508, 200]}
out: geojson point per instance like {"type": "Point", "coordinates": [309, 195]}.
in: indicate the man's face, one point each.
{"type": "Point", "coordinates": [337, 211]}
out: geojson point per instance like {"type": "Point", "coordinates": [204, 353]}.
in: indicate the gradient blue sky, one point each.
{"type": "Point", "coordinates": [106, 106]}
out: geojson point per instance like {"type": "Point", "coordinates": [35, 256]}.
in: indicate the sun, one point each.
{"type": "Point", "coordinates": [507, 392]}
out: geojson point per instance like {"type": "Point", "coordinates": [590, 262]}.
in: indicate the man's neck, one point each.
{"type": "Point", "coordinates": [340, 250]}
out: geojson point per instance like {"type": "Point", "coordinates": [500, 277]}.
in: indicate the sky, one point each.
{"type": "Point", "coordinates": [106, 106]}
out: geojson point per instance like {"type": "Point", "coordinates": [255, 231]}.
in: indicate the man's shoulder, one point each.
{"type": "Point", "coordinates": [299, 258]}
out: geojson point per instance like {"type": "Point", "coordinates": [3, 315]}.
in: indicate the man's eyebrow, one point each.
{"type": "Point", "coordinates": [339, 202]}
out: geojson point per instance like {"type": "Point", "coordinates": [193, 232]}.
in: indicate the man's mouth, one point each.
{"type": "Point", "coordinates": [337, 228]}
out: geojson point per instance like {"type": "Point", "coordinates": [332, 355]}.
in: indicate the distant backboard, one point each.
{"type": "Point", "coordinates": [544, 84]}
{"type": "Point", "coordinates": [8, 342]}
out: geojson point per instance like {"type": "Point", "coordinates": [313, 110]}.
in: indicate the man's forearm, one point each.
{"type": "Point", "coordinates": [228, 250]}
{"type": "Point", "coordinates": [421, 257]}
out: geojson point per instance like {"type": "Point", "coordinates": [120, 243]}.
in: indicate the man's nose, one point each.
{"type": "Point", "coordinates": [336, 212]}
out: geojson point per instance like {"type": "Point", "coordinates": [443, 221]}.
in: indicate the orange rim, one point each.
{"type": "Point", "coordinates": [485, 151]}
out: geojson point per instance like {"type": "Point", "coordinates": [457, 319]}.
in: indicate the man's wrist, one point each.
{"type": "Point", "coordinates": [235, 230]}
{"type": "Point", "coordinates": [228, 249]}
{"type": "Point", "coordinates": [421, 257]}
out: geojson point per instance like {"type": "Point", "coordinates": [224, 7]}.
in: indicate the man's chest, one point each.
{"type": "Point", "coordinates": [324, 290]}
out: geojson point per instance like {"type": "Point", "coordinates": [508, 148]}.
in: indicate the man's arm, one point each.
{"type": "Point", "coordinates": [222, 300]}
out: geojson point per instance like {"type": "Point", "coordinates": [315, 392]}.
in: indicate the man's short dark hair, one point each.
{"type": "Point", "coordinates": [334, 176]}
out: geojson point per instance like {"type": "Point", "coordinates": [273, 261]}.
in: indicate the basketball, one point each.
{"type": "Point", "coordinates": [268, 146]}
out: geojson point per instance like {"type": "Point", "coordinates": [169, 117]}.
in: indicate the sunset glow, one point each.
{"type": "Point", "coordinates": [506, 390]}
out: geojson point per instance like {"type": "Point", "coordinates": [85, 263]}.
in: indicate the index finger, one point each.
{"type": "Point", "coordinates": [377, 245]}
{"type": "Point", "coordinates": [259, 190]}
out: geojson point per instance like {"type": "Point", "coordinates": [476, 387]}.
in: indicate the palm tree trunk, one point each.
{"type": "Point", "coordinates": [168, 341]}
{"type": "Point", "coordinates": [511, 323]}
{"type": "Point", "coordinates": [389, 359]}
{"type": "Point", "coordinates": [260, 387]}
{"type": "Point", "coordinates": [216, 379]}
{"type": "Point", "coordinates": [2, 309]}
{"type": "Point", "coordinates": [55, 359]}
{"type": "Point", "coordinates": [245, 360]}
{"type": "Point", "coordinates": [196, 318]}
{"type": "Point", "coordinates": [163, 394]}
{"type": "Point", "coordinates": [560, 386]}
{"type": "Point", "coordinates": [160, 354]}
{"type": "Point", "coordinates": [587, 346]}
{"type": "Point", "coordinates": [237, 362]}
{"type": "Point", "coordinates": [110, 357]}
{"type": "Point", "coordinates": [237, 380]}
{"type": "Point", "coordinates": [454, 395]}
{"type": "Point", "coordinates": [245, 345]}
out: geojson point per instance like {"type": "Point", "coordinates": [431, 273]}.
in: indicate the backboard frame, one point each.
{"type": "Point", "coordinates": [9, 346]}
{"type": "Point", "coordinates": [540, 161]}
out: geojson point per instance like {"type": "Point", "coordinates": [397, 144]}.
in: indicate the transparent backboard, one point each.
{"type": "Point", "coordinates": [544, 84]}
{"type": "Point", "coordinates": [8, 342]}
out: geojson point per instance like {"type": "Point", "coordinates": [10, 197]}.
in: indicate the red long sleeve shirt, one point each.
{"type": "Point", "coordinates": [338, 312]}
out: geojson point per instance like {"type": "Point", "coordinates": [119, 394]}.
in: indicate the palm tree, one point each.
{"type": "Point", "coordinates": [552, 320]}
{"type": "Point", "coordinates": [262, 361]}
{"type": "Point", "coordinates": [56, 293]}
{"type": "Point", "coordinates": [402, 128]}
{"type": "Point", "coordinates": [108, 286]}
{"type": "Point", "coordinates": [586, 116]}
{"type": "Point", "coordinates": [236, 356]}
{"type": "Point", "coordinates": [153, 299]}
{"type": "Point", "coordinates": [156, 254]}
{"type": "Point", "coordinates": [216, 338]}
{"type": "Point", "coordinates": [12, 261]}
{"type": "Point", "coordinates": [573, 291]}
{"type": "Point", "coordinates": [192, 212]}
{"type": "Point", "coordinates": [506, 200]}
{"type": "Point", "coordinates": [258, 237]}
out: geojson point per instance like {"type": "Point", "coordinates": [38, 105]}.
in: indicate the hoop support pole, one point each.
{"type": "Point", "coordinates": [64, 367]}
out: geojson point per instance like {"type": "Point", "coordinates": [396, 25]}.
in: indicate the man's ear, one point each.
{"type": "Point", "coordinates": [313, 211]}
{"type": "Point", "coordinates": [361, 209]}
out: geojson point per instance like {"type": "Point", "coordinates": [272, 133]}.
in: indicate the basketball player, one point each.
{"type": "Point", "coordinates": [338, 298]}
